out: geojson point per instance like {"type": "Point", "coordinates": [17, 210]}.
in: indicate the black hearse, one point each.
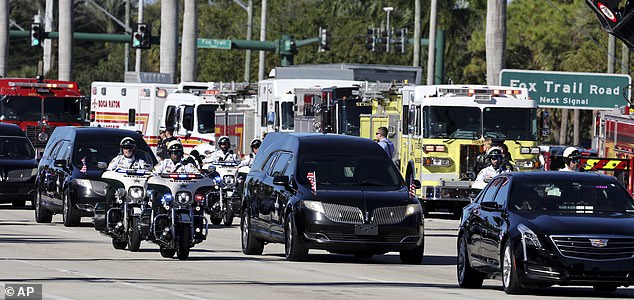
{"type": "Point", "coordinates": [17, 165]}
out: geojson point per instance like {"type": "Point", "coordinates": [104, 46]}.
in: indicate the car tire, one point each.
{"type": "Point", "coordinates": [468, 277]}
{"type": "Point", "coordinates": [69, 216]}
{"type": "Point", "coordinates": [119, 245]}
{"type": "Point", "coordinates": [510, 280]}
{"type": "Point", "coordinates": [294, 248]}
{"type": "Point", "coordinates": [167, 253]}
{"type": "Point", "coordinates": [18, 203]}
{"type": "Point", "coordinates": [216, 221]}
{"type": "Point", "coordinates": [227, 220]}
{"type": "Point", "coordinates": [42, 215]}
{"type": "Point", "coordinates": [605, 288]}
{"type": "Point", "coordinates": [413, 257]}
{"type": "Point", "coordinates": [134, 238]}
{"type": "Point", "coordinates": [250, 244]}
{"type": "Point", "coordinates": [183, 236]}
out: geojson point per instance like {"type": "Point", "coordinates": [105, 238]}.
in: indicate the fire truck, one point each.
{"type": "Point", "coordinates": [133, 106]}
{"type": "Point", "coordinates": [614, 141]}
{"type": "Point", "coordinates": [39, 105]}
{"type": "Point", "coordinates": [291, 105]}
{"type": "Point", "coordinates": [439, 131]}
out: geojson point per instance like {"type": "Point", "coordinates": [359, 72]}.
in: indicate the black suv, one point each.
{"type": "Point", "coordinates": [332, 192]}
{"type": "Point", "coordinates": [69, 173]}
{"type": "Point", "coordinates": [17, 165]}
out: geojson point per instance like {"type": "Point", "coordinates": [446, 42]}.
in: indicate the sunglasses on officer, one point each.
{"type": "Point", "coordinates": [495, 157]}
{"type": "Point", "coordinates": [128, 147]}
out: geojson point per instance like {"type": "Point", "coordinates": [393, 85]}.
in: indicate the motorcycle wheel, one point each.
{"type": "Point", "coordinates": [184, 238]}
{"type": "Point", "coordinates": [216, 221]}
{"type": "Point", "coordinates": [228, 217]}
{"type": "Point", "coordinates": [134, 240]}
{"type": "Point", "coordinates": [167, 253]}
{"type": "Point", "coordinates": [119, 245]}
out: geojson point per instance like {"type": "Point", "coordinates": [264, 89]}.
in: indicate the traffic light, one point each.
{"type": "Point", "coordinates": [370, 41]}
{"type": "Point", "coordinates": [36, 35]}
{"type": "Point", "coordinates": [142, 37]}
{"type": "Point", "coordinates": [401, 40]}
{"type": "Point", "coordinates": [382, 43]}
{"type": "Point", "coordinates": [616, 21]}
{"type": "Point", "coordinates": [324, 36]}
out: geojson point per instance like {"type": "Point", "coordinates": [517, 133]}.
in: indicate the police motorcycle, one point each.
{"type": "Point", "coordinates": [222, 199]}
{"type": "Point", "coordinates": [178, 220]}
{"type": "Point", "coordinates": [127, 219]}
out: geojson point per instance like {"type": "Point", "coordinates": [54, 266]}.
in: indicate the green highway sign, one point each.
{"type": "Point", "coordinates": [571, 90]}
{"type": "Point", "coordinates": [213, 44]}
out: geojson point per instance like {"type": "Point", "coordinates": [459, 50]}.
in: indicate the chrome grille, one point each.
{"type": "Point", "coordinates": [581, 247]}
{"type": "Point", "coordinates": [388, 215]}
{"type": "Point", "coordinates": [343, 213]}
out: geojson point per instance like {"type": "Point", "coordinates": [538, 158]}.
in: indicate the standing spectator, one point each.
{"type": "Point", "coordinates": [387, 145]}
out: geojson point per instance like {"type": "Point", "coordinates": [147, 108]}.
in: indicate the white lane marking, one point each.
{"type": "Point", "coordinates": [86, 275]}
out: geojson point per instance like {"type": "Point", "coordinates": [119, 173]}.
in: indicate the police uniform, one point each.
{"type": "Point", "coordinates": [122, 162]}
{"type": "Point", "coordinates": [247, 161]}
{"type": "Point", "coordinates": [220, 155]}
{"type": "Point", "coordinates": [168, 166]}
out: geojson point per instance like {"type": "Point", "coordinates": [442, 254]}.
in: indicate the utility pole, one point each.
{"type": "Point", "coordinates": [431, 53]}
{"type": "Point", "coordinates": [188, 45]}
{"type": "Point", "coordinates": [417, 12]}
{"type": "Point", "coordinates": [65, 39]}
{"type": "Point", "coordinates": [126, 47]}
{"type": "Point", "coordinates": [262, 39]}
{"type": "Point", "coordinates": [48, 44]}
{"type": "Point", "coordinates": [137, 63]}
{"type": "Point", "coordinates": [247, 59]}
{"type": "Point", "coordinates": [169, 37]}
{"type": "Point", "coordinates": [495, 39]}
{"type": "Point", "coordinates": [388, 42]}
{"type": "Point", "coordinates": [4, 37]}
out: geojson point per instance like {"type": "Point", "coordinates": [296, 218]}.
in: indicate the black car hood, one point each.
{"type": "Point", "coordinates": [364, 198]}
{"type": "Point", "coordinates": [17, 164]}
{"type": "Point", "coordinates": [551, 224]}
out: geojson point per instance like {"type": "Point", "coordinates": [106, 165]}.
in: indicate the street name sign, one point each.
{"type": "Point", "coordinates": [570, 89]}
{"type": "Point", "coordinates": [213, 44]}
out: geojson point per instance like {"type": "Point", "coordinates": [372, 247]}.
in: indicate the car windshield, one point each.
{"type": "Point", "coordinates": [585, 196]}
{"type": "Point", "coordinates": [206, 118]}
{"type": "Point", "coordinates": [341, 171]}
{"type": "Point", "coordinates": [510, 123]}
{"type": "Point", "coordinates": [452, 122]}
{"type": "Point", "coordinates": [15, 148]}
{"type": "Point", "coordinates": [92, 153]}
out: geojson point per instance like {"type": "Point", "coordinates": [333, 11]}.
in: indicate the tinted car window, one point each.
{"type": "Point", "coordinates": [349, 171]}
{"type": "Point", "coordinates": [64, 151]}
{"type": "Point", "coordinates": [501, 196]}
{"type": "Point", "coordinates": [280, 164]}
{"type": "Point", "coordinates": [490, 192]}
{"type": "Point", "coordinates": [579, 196]}
{"type": "Point", "coordinates": [104, 151]}
{"type": "Point", "coordinates": [15, 148]}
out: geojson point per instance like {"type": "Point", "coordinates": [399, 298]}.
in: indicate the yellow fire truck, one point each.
{"type": "Point", "coordinates": [439, 131]}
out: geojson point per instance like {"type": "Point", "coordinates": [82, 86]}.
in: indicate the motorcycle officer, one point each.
{"type": "Point", "coordinates": [248, 160]}
{"type": "Point", "coordinates": [571, 160]}
{"type": "Point", "coordinates": [222, 154]}
{"type": "Point", "coordinates": [127, 159]}
{"type": "Point", "coordinates": [496, 156]}
{"type": "Point", "coordinates": [175, 163]}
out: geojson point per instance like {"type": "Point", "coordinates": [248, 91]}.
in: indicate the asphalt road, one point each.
{"type": "Point", "coordinates": [79, 263]}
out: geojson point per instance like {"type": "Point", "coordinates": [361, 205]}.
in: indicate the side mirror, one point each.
{"type": "Point", "coordinates": [60, 163]}
{"type": "Point", "coordinates": [490, 205]}
{"type": "Point", "coordinates": [281, 180]}
{"type": "Point", "coordinates": [188, 134]}
{"type": "Point", "coordinates": [102, 165]}
{"type": "Point", "coordinates": [417, 184]}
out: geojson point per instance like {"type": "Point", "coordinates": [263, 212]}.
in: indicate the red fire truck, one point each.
{"type": "Point", "coordinates": [39, 105]}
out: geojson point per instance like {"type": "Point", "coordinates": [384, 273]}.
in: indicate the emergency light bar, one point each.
{"type": "Point", "coordinates": [42, 85]}
{"type": "Point", "coordinates": [182, 176]}
{"type": "Point", "coordinates": [434, 148]}
{"type": "Point", "coordinates": [478, 93]}
{"type": "Point", "coordinates": [133, 171]}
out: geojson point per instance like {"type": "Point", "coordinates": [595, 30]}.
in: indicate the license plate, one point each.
{"type": "Point", "coordinates": [136, 211]}
{"type": "Point", "coordinates": [185, 218]}
{"type": "Point", "coordinates": [366, 229]}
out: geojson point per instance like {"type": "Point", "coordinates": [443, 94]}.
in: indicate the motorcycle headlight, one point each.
{"type": "Point", "coordinates": [183, 198]}
{"type": "Point", "coordinates": [314, 206]}
{"type": "Point", "coordinates": [218, 179]}
{"type": "Point", "coordinates": [528, 236]}
{"type": "Point", "coordinates": [167, 199]}
{"type": "Point", "coordinates": [85, 183]}
{"type": "Point", "coordinates": [136, 192]}
{"type": "Point", "coordinates": [413, 209]}
{"type": "Point", "coordinates": [229, 179]}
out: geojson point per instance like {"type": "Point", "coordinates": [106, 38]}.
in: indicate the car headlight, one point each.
{"type": "Point", "coordinates": [217, 179]}
{"type": "Point", "coordinates": [99, 187]}
{"type": "Point", "coordinates": [413, 209]}
{"type": "Point", "coordinates": [183, 198]}
{"type": "Point", "coordinates": [314, 206]}
{"type": "Point", "coordinates": [528, 236]}
{"type": "Point", "coordinates": [135, 192]}
{"type": "Point", "coordinates": [85, 183]}
{"type": "Point", "coordinates": [229, 179]}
